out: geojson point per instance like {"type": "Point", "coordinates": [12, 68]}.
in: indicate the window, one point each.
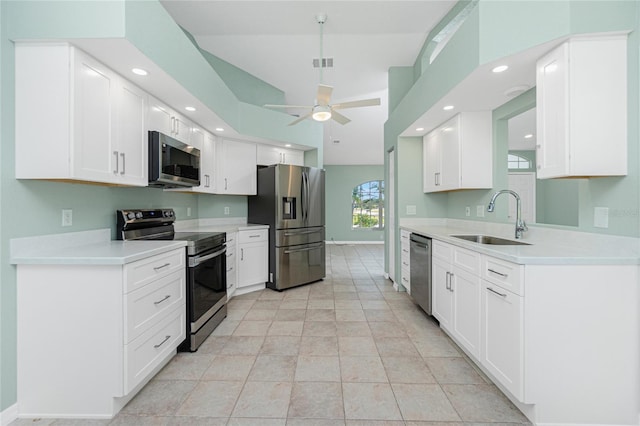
{"type": "Point", "coordinates": [367, 205]}
{"type": "Point", "coordinates": [518, 162]}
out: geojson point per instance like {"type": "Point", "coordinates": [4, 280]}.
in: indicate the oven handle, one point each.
{"type": "Point", "coordinates": [195, 261]}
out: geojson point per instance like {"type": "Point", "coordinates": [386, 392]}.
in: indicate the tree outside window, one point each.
{"type": "Point", "coordinates": [367, 205]}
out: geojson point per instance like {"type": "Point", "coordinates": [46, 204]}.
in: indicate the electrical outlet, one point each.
{"type": "Point", "coordinates": [226, 209]}
{"type": "Point", "coordinates": [188, 211]}
{"type": "Point", "coordinates": [480, 211]}
{"type": "Point", "coordinates": [467, 211]}
{"type": "Point", "coordinates": [67, 217]}
{"type": "Point", "coordinates": [411, 210]}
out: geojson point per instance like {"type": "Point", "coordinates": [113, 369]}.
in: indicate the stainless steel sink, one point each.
{"type": "Point", "coordinates": [487, 239]}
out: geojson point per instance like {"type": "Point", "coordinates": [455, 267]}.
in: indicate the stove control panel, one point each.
{"type": "Point", "coordinates": [159, 216]}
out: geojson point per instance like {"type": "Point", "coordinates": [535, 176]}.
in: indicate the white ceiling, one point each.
{"type": "Point", "coordinates": [521, 126]}
{"type": "Point", "coordinates": [277, 40]}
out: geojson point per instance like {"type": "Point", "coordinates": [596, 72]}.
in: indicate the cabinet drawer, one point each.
{"type": "Point", "coordinates": [466, 260]}
{"type": "Point", "coordinates": [505, 274]}
{"type": "Point", "coordinates": [253, 236]}
{"type": "Point", "coordinates": [147, 351]}
{"type": "Point", "coordinates": [442, 251]}
{"type": "Point", "coordinates": [147, 305]}
{"type": "Point", "coordinates": [142, 272]}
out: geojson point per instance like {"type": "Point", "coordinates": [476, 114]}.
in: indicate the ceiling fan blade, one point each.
{"type": "Point", "coordinates": [287, 106]}
{"type": "Point", "coordinates": [356, 104]}
{"type": "Point", "coordinates": [339, 118]}
{"type": "Point", "coordinates": [302, 118]}
{"type": "Point", "coordinates": [324, 94]}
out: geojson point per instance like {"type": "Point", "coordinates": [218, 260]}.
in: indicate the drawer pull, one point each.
{"type": "Point", "coordinates": [254, 236]}
{"type": "Point", "coordinates": [495, 292]}
{"type": "Point", "coordinates": [162, 300]}
{"type": "Point", "coordinates": [163, 342]}
{"type": "Point", "coordinates": [405, 263]}
{"type": "Point", "coordinates": [498, 273]}
{"type": "Point", "coordinates": [157, 268]}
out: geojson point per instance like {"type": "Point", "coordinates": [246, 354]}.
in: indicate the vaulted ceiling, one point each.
{"type": "Point", "coordinates": [276, 41]}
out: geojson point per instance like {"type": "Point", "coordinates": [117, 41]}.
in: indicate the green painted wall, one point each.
{"type": "Point", "coordinates": [31, 208]}
{"type": "Point", "coordinates": [339, 184]}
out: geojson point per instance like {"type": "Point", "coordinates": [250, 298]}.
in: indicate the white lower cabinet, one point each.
{"type": "Point", "coordinates": [90, 336]}
{"type": "Point", "coordinates": [405, 259]}
{"type": "Point", "coordinates": [456, 293]}
{"type": "Point", "coordinates": [252, 259]}
{"type": "Point", "coordinates": [502, 333]}
{"type": "Point", "coordinates": [232, 270]}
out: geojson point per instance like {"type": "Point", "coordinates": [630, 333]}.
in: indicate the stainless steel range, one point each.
{"type": "Point", "coordinates": [206, 267]}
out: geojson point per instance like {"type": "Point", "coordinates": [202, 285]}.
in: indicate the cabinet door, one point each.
{"type": "Point", "coordinates": [132, 146]}
{"type": "Point", "coordinates": [552, 114]}
{"type": "Point", "coordinates": [94, 109]}
{"type": "Point", "coordinates": [465, 290]}
{"type": "Point", "coordinates": [442, 298]}
{"type": "Point", "coordinates": [267, 155]}
{"type": "Point", "coordinates": [502, 340]}
{"type": "Point", "coordinates": [207, 164]}
{"type": "Point", "coordinates": [237, 167]}
{"type": "Point", "coordinates": [252, 264]}
{"type": "Point", "coordinates": [293, 157]}
{"type": "Point", "coordinates": [431, 162]}
{"type": "Point", "coordinates": [450, 154]}
{"type": "Point", "coordinates": [182, 129]}
{"type": "Point", "coordinates": [160, 117]}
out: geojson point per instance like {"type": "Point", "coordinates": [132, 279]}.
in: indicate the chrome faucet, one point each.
{"type": "Point", "coordinates": [520, 225]}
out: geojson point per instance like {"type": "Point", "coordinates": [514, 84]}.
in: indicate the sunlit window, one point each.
{"type": "Point", "coordinates": [518, 162]}
{"type": "Point", "coordinates": [367, 205]}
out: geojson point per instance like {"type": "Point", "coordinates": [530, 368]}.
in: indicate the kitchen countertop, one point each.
{"type": "Point", "coordinates": [85, 248]}
{"type": "Point", "coordinates": [547, 246]}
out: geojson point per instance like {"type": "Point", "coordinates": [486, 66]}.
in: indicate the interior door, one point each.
{"type": "Point", "coordinates": [525, 185]}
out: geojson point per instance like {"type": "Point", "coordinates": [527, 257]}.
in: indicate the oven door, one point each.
{"type": "Point", "coordinates": [207, 286]}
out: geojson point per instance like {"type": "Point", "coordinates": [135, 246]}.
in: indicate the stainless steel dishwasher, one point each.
{"type": "Point", "coordinates": [420, 274]}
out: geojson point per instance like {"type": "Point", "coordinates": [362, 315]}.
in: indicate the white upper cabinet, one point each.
{"type": "Point", "coordinates": [236, 167]}
{"type": "Point", "coordinates": [84, 121]}
{"type": "Point", "coordinates": [164, 119]}
{"type": "Point", "coordinates": [458, 154]}
{"type": "Point", "coordinates": [268, 155]}
{"type": "Point", "coordinates": [582, 108]}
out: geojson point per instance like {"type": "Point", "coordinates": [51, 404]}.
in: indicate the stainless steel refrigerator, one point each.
{"type": "Point", "coordinates": [290, 199]}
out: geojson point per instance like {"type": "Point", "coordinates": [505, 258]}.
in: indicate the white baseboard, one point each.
{"type": "Point", "coordinates": [9, 415]}
{"type": "Point", "coordinates": [350, 243]}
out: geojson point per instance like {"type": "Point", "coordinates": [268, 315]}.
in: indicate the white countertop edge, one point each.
{"type": "Point", "coordinates": [85, 248]}
{"type": "Point", "coordinates": [552, 247]}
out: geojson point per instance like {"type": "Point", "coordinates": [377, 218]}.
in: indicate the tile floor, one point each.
{"type": "Point", "coordinates": [348, 350]}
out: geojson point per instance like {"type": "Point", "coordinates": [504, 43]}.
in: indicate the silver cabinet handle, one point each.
{"type": "Point", "coordinates": [495, 292]}
{"type": "Point", "coordinates": [254, 236]}
{"type": "Point", "coordinates": [405, 263]}
{"type": "Point", "coordinates": [241, 254]}
{"type": "Point", "coordinates": [446, 282]}
{"type": "Point", "coordinates": [451, 282]}
{"type": "Point", "coordinates": [163, 342]}
{"type": "Point", "coordinates": [162, 300]}
{"type": "Point", "coordinates": [157, 268]}
{"type": "Point", "coordinates": [498, 273]}
{"type": "Point", "coordinates": [123, 163]}
{"type": "Point", "coordinates": [173, 125]}
{"type": "Point", "coordinates": [115, 170]}
{"type": "Point", "coordinates": [225, 184]}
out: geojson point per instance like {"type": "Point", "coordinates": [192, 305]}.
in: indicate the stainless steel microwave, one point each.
{"type": "Point", "coordinates": [172, 164]}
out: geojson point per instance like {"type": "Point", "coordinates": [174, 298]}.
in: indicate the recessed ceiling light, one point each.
{"type": "Point", "coordinates": [528, 136]}
{"type": "Point", "coordinates": [448, 108]}
{"type": "Point", "coordinates": [419, 129]}
{"type": "Point", "coordinates": [139, 71]}
{"type": "Point", "coordinates": [288, 145]}
{"type": "Point", "coordinates": [500, 68]}
{"type": "Point", "coordinates": [219, 129]}
{"type": "Point", "coordinates": [447, 129]}
{"type": "Point", "coordinates": [190, 108]}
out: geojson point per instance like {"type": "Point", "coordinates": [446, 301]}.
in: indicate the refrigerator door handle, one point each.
{"type": "Point", "coordinates": [315, 247]}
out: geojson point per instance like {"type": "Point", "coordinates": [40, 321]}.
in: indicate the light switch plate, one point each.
{"type": "Point", "coordinates": [226, 210]}
{"type": "Point", "coordinates": [188, 211]}
{"type": "Point", "coordinates": [601, 217]}
{"type": "Point", "coordinates": [67, 217]}
{"type": "Point", "coordinates": [480, 211]}
{"type": "Point", "coordinates": [411, 210]}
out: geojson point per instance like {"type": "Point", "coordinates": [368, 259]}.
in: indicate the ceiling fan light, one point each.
{"type": "Point", "coordinates": [321, 113]}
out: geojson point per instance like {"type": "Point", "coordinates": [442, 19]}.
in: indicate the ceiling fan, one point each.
{"type": "Point", "coordinates": [323, 109]}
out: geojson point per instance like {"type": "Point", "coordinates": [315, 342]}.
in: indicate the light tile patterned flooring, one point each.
{"type": "Point", "coordinates": [348, 350]}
